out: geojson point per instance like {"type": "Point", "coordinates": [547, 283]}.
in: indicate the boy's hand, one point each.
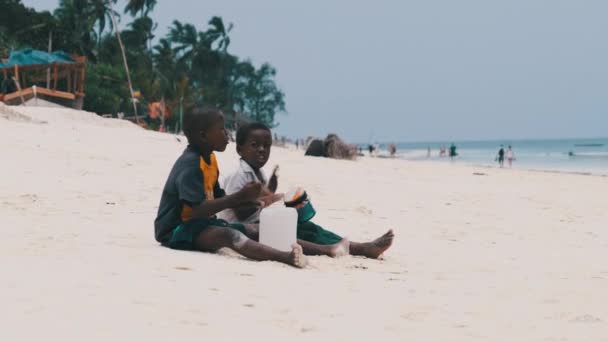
{"type": "Point", "coordinates": [249, 193]}
{"type": "Point", "coordinates": [273, 182]}
{"type": "Point", "coordinates": [268, 198]}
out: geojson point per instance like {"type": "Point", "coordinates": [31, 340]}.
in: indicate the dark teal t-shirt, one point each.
{"type": "Point", "coordinates": [185, 185]}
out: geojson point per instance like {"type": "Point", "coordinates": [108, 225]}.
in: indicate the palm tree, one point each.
{"type": "Point", "coordinates": [219, 32]}
{"type": "Point", "coordinates": [144, 6]}
{"type": "Point", "coordinates": [193, 51]}
{"type": "Point", "coordinates": [165, 69]}
{"type": "Point", "coordinates": [78, 21]}
{"type": "Point", "coordinates": [142, 30]}
{"type": "Point", "coordinates": [188, 41]}
{"type": "Point", "coordinates": [220, 63]}
{"type": "Point", "coordinates": [101, 12]}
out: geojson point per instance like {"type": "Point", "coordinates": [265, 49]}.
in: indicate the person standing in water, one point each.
{"type": "Point", "coordinates": [453, 151]}
{"type": "Point", "coordinates": [510, 156]}
{"type": "Point", "coordinates": [501, 156]}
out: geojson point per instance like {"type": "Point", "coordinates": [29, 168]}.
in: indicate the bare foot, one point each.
{"type": "Point", "coordinates": [374, 249]}
{"type": "Point", "coordinates": [340, 248]}
{"type": "Point", "coordinates": [297, 257]}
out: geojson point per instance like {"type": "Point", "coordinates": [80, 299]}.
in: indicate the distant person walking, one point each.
{"type": "Point", "coordinates": [510, 156]}
{"type": "Point", "coordinates": [500, 157]}
{"type": "Point", "coordinates": [453, 152]}
{"type": "Point", "coordinates": [428, 152]}
{"type": "Point", "coordinates": [370, 148]}
{"type": "Point", "coordinates": [393, 149]}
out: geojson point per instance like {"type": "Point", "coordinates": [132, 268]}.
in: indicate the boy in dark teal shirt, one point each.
{"type": "Point", "coordinates": [192, 197]}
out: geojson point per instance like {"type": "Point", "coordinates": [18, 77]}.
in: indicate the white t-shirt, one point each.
{"type": "Point", "coordinates": [233, 183]}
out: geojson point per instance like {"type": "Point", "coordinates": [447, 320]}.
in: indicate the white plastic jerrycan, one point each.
{"type": "Point", "coordinates": [278, 225]}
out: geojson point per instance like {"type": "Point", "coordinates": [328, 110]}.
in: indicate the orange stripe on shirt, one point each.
{"type": "Point", "coordinates": [210, 178]}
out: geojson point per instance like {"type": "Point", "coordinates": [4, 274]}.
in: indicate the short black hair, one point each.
{"type": "Point", "coordinates": [198, 119]}
{"type": "Point", "coordinates": [243, 133]}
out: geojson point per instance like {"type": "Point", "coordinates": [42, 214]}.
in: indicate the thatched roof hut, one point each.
{"type": "Point", "coordinates": [57, 77]}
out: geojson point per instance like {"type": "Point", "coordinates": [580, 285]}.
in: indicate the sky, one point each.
{"type": "Point", "coordinates": [433, 70]}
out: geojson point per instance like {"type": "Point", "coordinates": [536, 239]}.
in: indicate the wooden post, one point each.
{"type": "Point", "coordinates": [19, 89]}
{"type": "Point", "coordinates": [76, 80]}
{"type": "Point", "coordinates": [48, 70]}
{"type": "Point", "coordinates": [83, 69]}
{"type": "Point", "coordinates": [16, 73]}
{"type": "Point", "coordinates": [181, 113]}
{"type": "Point", "coordinates": [69, 74]}
{"type": "Point", "coordinates": [55, 76]}
{"type": "Point", "coordinates": [162, 114]}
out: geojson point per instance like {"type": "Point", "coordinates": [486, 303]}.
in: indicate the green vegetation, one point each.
{"type": "Point", "coordinates": [187, 67]}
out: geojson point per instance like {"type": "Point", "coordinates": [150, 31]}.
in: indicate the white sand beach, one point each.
{"type": "Point", "coordinates": [509, 255]}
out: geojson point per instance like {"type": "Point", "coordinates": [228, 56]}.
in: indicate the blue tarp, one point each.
{"type": "Point", "coordinates": [36, 57]}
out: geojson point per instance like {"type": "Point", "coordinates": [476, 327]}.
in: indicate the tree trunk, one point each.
{"type": "Point", "coordinates": [124, 59]}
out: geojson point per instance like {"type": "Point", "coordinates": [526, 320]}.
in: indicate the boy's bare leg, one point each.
{"type": "Point", "coordinates": [341, 248]}
{"type": "Point", "coordinates": [252, 230]}
{"type": "Point", "coordinates": [213, 238]}
{"type": "Point", "coordinates": [373, 249]}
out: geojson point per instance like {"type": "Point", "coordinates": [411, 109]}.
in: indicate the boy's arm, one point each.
{"type": "Point", "coordinates": [191, 190]}
{"type": "Point", "coordinates": [273, 181]}
{"type": "Point", "coordinates": [244, 212]}
{"type": "Point", "coordinates": [267, 196]}
{"type": "Point", "coordinates": [266, 199]}
{"type": "Point", "coordinates": [245, 197]}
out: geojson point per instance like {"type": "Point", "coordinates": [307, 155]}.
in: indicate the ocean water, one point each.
{"type": "Point", "coordinates": [566, 155]}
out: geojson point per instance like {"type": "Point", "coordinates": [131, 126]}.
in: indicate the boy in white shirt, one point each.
{"type": "Point", "coordinates": [254, 142]}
